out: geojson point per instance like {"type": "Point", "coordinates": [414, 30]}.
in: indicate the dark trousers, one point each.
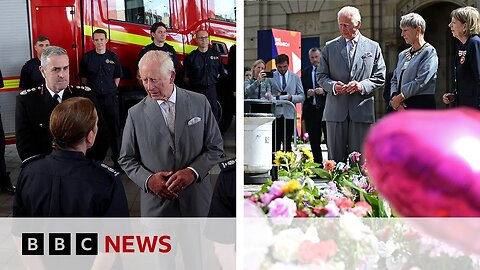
{"type": "Point", "coordinates": [315, 128]}
{"type": "Point", "coordinates": [282, 132]}
{"type": "Point", "coordinates": [211, 94]}
{"type": "Point", "coordinates": [109, 107]}
{"type": "Point", "coordinates": [4, 177]}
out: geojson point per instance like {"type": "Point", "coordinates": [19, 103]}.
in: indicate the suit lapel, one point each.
{"type": "Point", "coordinates": [182, 108]}
{"type": "Point", "coordinates": [342, 48]}
{"type": "Point", "coordinates": [359, 51]}
{"type": "Point", "coordinates": [155, 117]}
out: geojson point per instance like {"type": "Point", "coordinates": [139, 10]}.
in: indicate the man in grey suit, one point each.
{"type": "Point", "coordinates": [286, 85]}
{"type": "Point", "coordinates": [170, 142]}
{"type": "Point", "coordinates": [351, 69]}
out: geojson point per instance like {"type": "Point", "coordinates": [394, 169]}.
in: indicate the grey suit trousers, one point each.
{"type": "Point", "coordinates": [344, 138]}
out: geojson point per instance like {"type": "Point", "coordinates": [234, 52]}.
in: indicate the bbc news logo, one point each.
{"type": "Point", "coordinates": [87, 244]}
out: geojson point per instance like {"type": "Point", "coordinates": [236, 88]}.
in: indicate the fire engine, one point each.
{"type": "Point", "coordinates": [70, 24]}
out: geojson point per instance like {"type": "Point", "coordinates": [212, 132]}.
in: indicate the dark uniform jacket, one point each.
{"type": "Point", "coordinates": [223, 199]}
{"type": "Point", "coordinates": [467, 73]}
{"type": "Point", "coordinates": [203, 69]}
{"type": "Point", "coordinates": [66, 184]}
{"type": "Point", "coordinates": [101, 71]}
{"type": "Point", "coordinates": [30, 75]}
{"type": "Point", "coordinates": [166, 48]}
{"type": "Point", "coordinates": [32, 117]}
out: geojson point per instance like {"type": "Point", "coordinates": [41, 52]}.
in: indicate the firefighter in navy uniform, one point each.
{"type": "Point", "coordinates": [101, 70]}
{"type": "Point", "coordinates": [30, 75]}
{"type": "Point", "coordinates": [223, 199]}
{"type": "Point", "coordinates": [77, 187]}
{"type": "Point", "coordinates": [203, 67]}
{"type": "Point", "coordinates": [159, 33]}
{"type": "Point", "coordinates": [34, 106]}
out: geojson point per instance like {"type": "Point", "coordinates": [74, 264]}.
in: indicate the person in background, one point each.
{"type": "Point", "coordinates": [101, 70]}
{"type": "Point", "coordinates": [5, 182]}
{"type": "Point", "coordinates": [34, 106]}
{"type": "Point", "coordinates": [203, 67]}
{"type": "Point", "coordinates": [30, 75]}
{"type": "Point", "coordinates": [414, 78]}
{"type": "Point", "coordinates": [77, 187]}
{"type": "Point", "coordinates": [350, 70]}
{"type": "Point", "coordinates": [247, 73]}
{"type": "Point", "coordinates": [465, 26]}
{"type": "Point", "coordinates": [286, 85]}
{"type": "Point", "coordinates": [314, 104]}
{"type": "Point", "coordinates": [158, 31]}
{"type": "Point", "coordinates": [258, 87]}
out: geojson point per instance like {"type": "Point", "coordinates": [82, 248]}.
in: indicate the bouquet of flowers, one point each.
{"type": "Point", "coordinates": [295, 194]}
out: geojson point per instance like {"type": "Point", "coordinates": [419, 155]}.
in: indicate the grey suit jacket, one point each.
{"type": "Point", "coordinates": [368, 68]}
{"type": "Point", "coordinates": [294, 88]}
{"type": "Point", "coordinates": [147, 148]}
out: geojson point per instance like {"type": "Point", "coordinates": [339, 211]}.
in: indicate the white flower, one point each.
{"type": "Point", "coordinates": [286, 244]}
{"type": "Point", "coordinates": [386, 249]}
{"type": "Point", "coordinates": [353, 227]}
{"type": "Point", "coordinates": [308, 182]}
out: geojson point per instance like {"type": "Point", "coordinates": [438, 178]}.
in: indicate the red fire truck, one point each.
{"type": "Point", "coordinates": [70, 23]}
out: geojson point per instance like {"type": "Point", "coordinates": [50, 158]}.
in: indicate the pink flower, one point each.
{"type": "Point", "coordinates": [361, 209]}
{"type": "Point", "coordinates": [305, 137]}
{"type": "Point", "coordinates": [282, 207]}
{"type": "Point", "coordinates": [266, 198]}
{"type": "Point", "coordinates": [310, 252]}
{"type": "Point", "coordinates": [354, 157]}
{"type": "Point", "coordinates": [247, 194]}
{"type": "Point", "coordinates": [332, 210]}
{"type": "Point", "coordinates": [344, 203]}
{"type": "Point", "coordinates": [276, 188]}
{"type": "Point", "coordinates": [301, 214]}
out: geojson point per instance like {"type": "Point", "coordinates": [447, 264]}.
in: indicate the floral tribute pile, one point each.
{"type": "Point", "coordinates": [345, 187]}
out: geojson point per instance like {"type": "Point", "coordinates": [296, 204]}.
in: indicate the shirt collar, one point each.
{"type": "Point", "coordinates": [53, 93]}
{"type": "Point", "coordinates": [172, 98]}
{"type": "Point", "coordinates": [355, 38]}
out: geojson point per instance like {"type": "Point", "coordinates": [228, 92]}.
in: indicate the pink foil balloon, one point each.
{"type": "Point", "coordinates": [427, 163]}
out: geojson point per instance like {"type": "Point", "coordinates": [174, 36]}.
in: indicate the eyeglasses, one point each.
{"type": "Point", "coordinates": [202, 37]}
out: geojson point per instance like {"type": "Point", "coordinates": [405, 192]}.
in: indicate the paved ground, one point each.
{"type": "Point", "coordinates": [13, 166]}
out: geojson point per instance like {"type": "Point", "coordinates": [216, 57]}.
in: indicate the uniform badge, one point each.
{"type": "Point", "coordinates": [462, 55]}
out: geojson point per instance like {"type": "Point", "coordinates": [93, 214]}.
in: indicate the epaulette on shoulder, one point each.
{"type": "Point", "coordinates": [228, 164]}
{"type": "Point", "coordinates": [31, 159]}
{"type": "Point", "coordinates": [81, 87]}
{"type": "Point", "coordinates": [26, 91]}
{"type": "Point", "coordinates": [111, 171]}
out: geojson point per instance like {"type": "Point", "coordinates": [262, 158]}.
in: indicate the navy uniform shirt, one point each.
{"type": "Point", "coordinates": [30, 75]}
{"type": "Point", "coordinates": [100, 71]}
{"type": "Point", "coordinates": [1, 80]}
{"type": "Point", "coordinates": [203, 69]}
{"type": "Point", "coordinates": [32, 117]}
{"type": "Point", "coordinates": [467, 73]}
{"type": "Point", "coordinates": [66, 184]}
{"type": "Point", "coordinates": [166, 48]}
{"type": "Point", "coordinates": [223, 199]}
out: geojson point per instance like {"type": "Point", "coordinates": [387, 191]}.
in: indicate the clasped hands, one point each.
{"type": "Point", "coordinates": [316, 91]}
{"type": "Point", "coordinates": [397, 102]}
{"type": "Point", "coordinates": [349, 88]}
{"type": "Point", "coordinates": [168, 185]}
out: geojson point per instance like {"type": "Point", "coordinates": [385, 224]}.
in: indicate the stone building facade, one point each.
{"type": "Point", "coordinates": [317, 21]}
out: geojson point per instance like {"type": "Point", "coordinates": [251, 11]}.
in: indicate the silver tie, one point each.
{"type": "Point", "coordinates": [351, 51]}
{"type": "Point", "coordinates": [169, 110]}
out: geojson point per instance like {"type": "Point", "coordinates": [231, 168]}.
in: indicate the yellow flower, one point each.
{"type": "Point", "coordinates": [291, 157]}
{"type": "Point", "coordinates": [291, 186]}
{"type": "Point", "coordinates": [308, 154]}
{"type": "Point", "coordinates": [279, 157]}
